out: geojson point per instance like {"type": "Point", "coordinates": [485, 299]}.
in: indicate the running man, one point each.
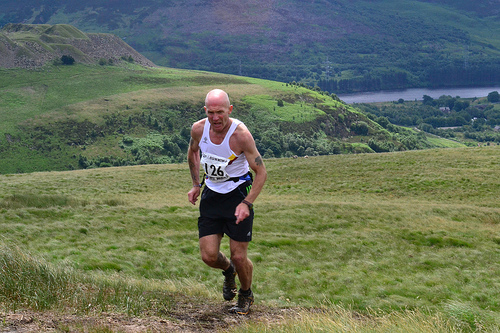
{"type": "Point", "coordinates": [225, 149]}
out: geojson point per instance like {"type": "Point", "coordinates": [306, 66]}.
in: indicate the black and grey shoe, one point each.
{"type": "Point", "coordinates": [245, 300]}
{"type": "Point", "coordinates": [229, 288]}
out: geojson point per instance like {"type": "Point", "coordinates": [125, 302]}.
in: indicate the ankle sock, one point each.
{"type": "Point", "coordinates": [246, 292]}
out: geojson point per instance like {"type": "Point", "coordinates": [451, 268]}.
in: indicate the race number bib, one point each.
{"type": "Point", "coordinates": [215, 167]}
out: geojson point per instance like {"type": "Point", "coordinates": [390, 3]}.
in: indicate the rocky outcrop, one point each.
{"type": "Point", "coordinates": [31, 46]}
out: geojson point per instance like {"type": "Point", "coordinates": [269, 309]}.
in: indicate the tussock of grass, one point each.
{"type": "Point", "coordinates": [45, 201]}
{"type": "Point", "coordinates": [39, 201]}
{"type": "Point", "coordinates": [26, 281]}
{"type": "Point", "coordinates": [337, 319]}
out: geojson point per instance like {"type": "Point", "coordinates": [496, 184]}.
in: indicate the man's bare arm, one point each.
{"type": "Point", "coordinates": [193, 157]}
{"type": "Point", "coordinates": [258, 167]}
{"type": "Point", "coordinates": [256, 164]}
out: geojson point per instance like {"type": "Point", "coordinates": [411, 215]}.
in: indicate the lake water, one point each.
{"type": "Point", "coordinates": [416, 94]}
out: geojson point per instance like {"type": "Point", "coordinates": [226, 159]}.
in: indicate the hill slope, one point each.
{"type": "Point", "coordinates": [341, 45]}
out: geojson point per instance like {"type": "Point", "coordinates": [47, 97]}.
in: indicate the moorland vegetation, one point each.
{"type": "Point", "coordinates": [399, 242]}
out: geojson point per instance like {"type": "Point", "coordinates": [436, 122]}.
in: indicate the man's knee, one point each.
{"type": "Point", "coordinates": [239, 259]}
{"type": "Point", "coordinates": [209, 258]}
{"type": "Point", "coordinates": [209, 249]}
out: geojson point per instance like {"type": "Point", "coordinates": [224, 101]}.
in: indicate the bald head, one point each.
{"type": "Point", "coordinates": [218, 97]}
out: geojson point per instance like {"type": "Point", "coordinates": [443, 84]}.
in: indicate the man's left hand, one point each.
{"type": "Point", "coordinates": [242, 212]}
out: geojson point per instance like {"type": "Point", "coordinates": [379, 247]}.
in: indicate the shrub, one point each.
{"type": "Point", "coordinates": [128, 140]}
{"type": "Point", "coordinates": [360, 128]}
{"type": "Point", "coordinates": [493, 97]}
{"type": "Point", "coordinates": [67, 60]}
{"type": "Point", "coordinates": [381, 146]}
{"type": "Point", "coordinates": [383, 121]}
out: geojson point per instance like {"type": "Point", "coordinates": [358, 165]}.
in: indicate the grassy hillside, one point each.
{"type": "Point", "coordinates": [341, 45]}
{"type": "Point", "coordinates": [408, 239]}
{"type": "Point", "coordinates": [82, 116]}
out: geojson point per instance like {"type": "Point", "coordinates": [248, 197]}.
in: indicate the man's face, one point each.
{"type": "Point", "coordinates": [218, 114]}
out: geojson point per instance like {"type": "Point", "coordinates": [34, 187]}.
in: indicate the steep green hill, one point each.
{"type": "Point", "coordinates": [340, 45]}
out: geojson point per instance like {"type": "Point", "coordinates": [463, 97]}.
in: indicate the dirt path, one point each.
{"type": "Point", "coordinates": [184, 318]}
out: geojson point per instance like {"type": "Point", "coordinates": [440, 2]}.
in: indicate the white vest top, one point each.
{"type": "Point", "coordinates": [220, 163]}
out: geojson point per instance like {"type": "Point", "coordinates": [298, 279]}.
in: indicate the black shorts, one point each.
{"type": "Point", "coordinates": [217, 214]}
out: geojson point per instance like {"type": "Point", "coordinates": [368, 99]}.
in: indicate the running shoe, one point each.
{"type": "Point", "coordinates": [243, 305]}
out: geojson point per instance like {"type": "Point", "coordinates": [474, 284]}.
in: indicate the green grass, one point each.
{"type": "Point", "coordinates": [436, 141]}
{"type": "Point", "coordinates": [412, 231]}
{"type": "Point", "coordinates": [83, 92]}
{"type": "Point", "coordinates": [338, 319]}
{"type": "Point", "coordinates": [290, 111]}
{"type": "Point", "coordinates": [26, 95]}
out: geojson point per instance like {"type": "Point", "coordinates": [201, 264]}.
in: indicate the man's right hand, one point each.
{"type": "Point", "coordinates": [193, 194]}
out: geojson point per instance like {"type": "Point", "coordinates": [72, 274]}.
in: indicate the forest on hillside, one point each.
{"type": "Point", "coordinates": [338, 45]}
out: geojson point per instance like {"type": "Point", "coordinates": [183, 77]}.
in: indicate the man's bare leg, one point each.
{"type": "Point", "coordinates": [243, 265]}
{"type": "Point", "coordinates": [210, 252]}
{"type": "Point", "coordinates": [213, 257]}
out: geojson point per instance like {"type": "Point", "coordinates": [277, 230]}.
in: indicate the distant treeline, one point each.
{"type": "Point", "coordinates": [390, 80]}
{"type": "Point", "coordinates": [395, 79]}
{"type": "Point", "coordinates": [388, 71]}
